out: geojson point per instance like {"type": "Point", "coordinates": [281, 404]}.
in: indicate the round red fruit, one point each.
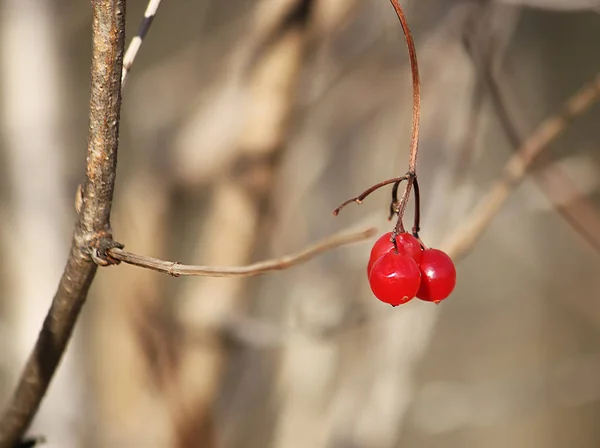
{"type": "Point", "coordinates": [438, 276]}
{"type": "Point", "coordinates": [395, 278]}
{"type": "Point", "coordinates": [410, 245]}
{"type": "Point", "coordinates": [407, 244]}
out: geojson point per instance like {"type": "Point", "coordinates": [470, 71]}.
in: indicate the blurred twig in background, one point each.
{"type": "Point", "coordinates": [583, 216]}
{"type": "Point", "coordinates": [460, 242]}
{"type": "Point", "coordinates": [240, 207]}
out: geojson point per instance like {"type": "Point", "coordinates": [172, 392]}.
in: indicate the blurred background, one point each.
{"type": "Point", "coordinates": [244, 124]}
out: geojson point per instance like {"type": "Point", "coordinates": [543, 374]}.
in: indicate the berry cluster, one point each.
{"type": "Point", "coordinates": [399, 273]}
{"type": "Point", "coordinates": [400, 267]}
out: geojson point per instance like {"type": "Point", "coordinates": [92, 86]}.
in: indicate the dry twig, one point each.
{"type": "Point", "coordinates": [92, 225]}
{"type": "Point", "coordinates": [176, 270]}
{"type": "Point", "coordinates": [465, 236]}
{"type": "Point", "coordinates": [580, 213]}
{"type": "Point", "coordinates": [399, 206]}
{"type": "Point", "coordinates": [92, 239]}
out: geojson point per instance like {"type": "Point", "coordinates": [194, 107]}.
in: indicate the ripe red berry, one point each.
{"type": "Point", "coordinates": [395, 278]}
{"type": "Point", "coordinates": [407, 244]}
{"type": "Point", "coordinates": [411, 245]}
{"type": "Point", "coordinates": [438, 276]}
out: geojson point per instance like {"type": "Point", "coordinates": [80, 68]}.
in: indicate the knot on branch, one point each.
{"type": "Point", "coordinates": [172, 269]}
{"type": "Point", "coordinates": [100, 250]}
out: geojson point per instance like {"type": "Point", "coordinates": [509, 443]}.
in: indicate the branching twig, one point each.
{"type": "Point", "coordinates": [465, 236]}
{"type": "Point", "coordinates": [175, 269]}
{"type": "Point", "coordinates": [136, 42]}
{"type": "Point", "coordinates": [361, 197]}
{"type": "Point", "coordinates": [462, 240]}
{"type": "Point", "coordinates": [91, 228]}
{"type": "Point", "coordinates": [414, 138]}
{"type": "Point", "coordinates": [581, 214]}
{"type": "Point", "coordinates": [399, 207]}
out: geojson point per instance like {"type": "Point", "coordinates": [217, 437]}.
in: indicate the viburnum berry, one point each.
{"type": "Point", "coordinates": [403, 269]}
{"type": "Point", "coordinates": [407, 244]}
{"type": "Point", "coordinates": [395, 278]}
{"type": "Point", "coordinates": [438, 276]}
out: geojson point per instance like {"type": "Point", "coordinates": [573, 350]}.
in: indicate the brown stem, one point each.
{"type": "Point", "coordinates": [394, 203]}
{"type": "Point", "coordinates": [414, 139]}
{"type": "Point", "coordinates": [465, 236]}
{"type": "Point", "coordinates": [358, 199]}
{"type": "Point", "coordinates": [581, 213]}
{"type": "Point", "coordinates": [92, 225]}
{"type": "Point", "coordinates": [417, 223]}
{"type": "Point", "coordinates": [399, 228]}
{"type": "Point", "coordinates": [176, 270]}
{"type": "Point", "coordinates": [416, 82]}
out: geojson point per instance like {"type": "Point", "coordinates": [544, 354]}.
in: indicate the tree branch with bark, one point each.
{"type": "Point", "coordinates": [92, 243]}
{"type": "Point", "coordinates": [93, 223]}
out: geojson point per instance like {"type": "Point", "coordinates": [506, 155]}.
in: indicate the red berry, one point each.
{"type": "Point", "coordinates": [411, 245]}
{"type": "Point", "coordinates": [395, 278]}
{"type": "Point", "coordinates": [407, 244]}
{"type": "Point", "coordinates": [438, 276]}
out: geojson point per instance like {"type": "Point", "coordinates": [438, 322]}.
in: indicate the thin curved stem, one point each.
{"type": "Point", "coordinates": [417, 223]}
{"type": "Point", "coordinates": [460, 242]}
{"type": "Point", "coordinates": [394, 203]}
{"type": "Point", "coordinates": [416, 82]}
{"type": "Point", "coordinates": [176, 269]}
{"type": "Point", "coordinates": [400, 207]}
{"type": "Point", "coordinates": [358, 199]}
{"type": "Point", "coordinates": [414, 139]}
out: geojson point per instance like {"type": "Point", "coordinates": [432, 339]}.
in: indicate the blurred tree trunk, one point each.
{"type": "Point", "coordinates": [238, 207]}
